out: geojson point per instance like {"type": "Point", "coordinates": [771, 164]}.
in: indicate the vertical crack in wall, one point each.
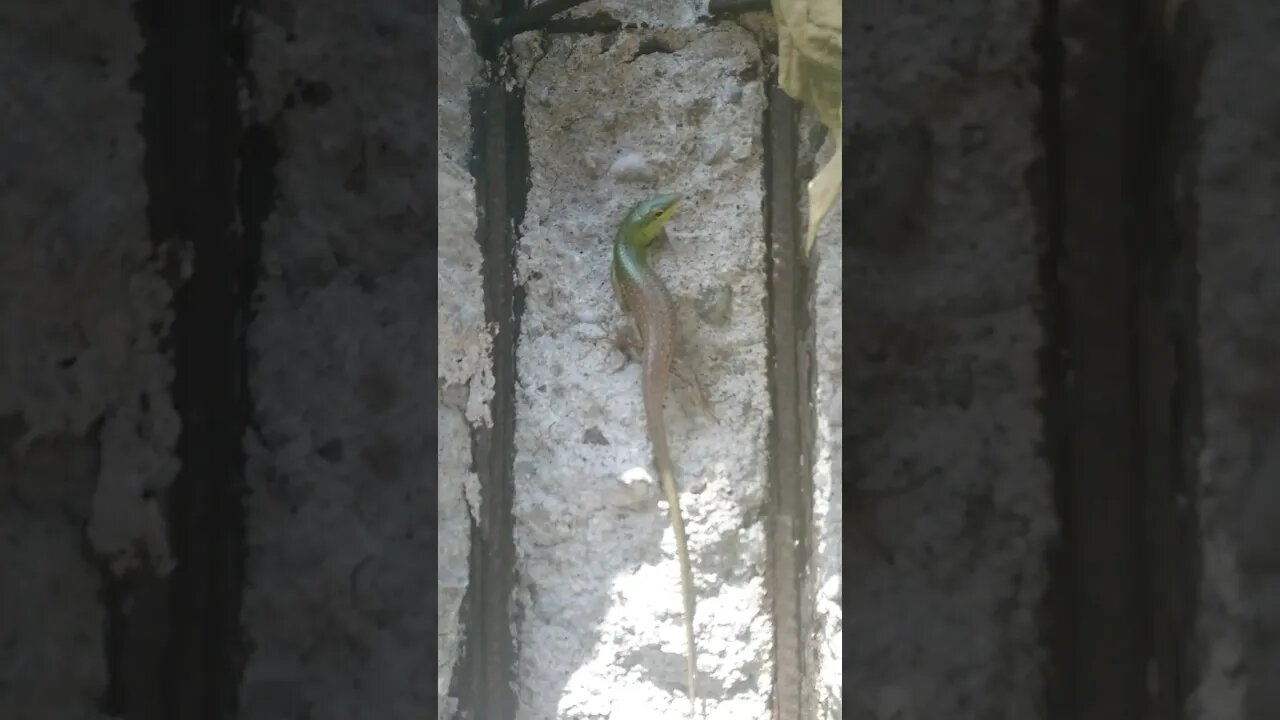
{"type": "Point", "coordinates": [1045, 181]}
{"type": "Point", "coordinates": [259, 154]}
{"type": "Point", "coordinates": [1102, 659]}
{"type": "Point", "coordinates": [501, 158]}
{"type": "Point", "coordinates": [189, 72]}
{"type": "Point", "coordinates": [1163, 287]}
{"type": "Point", "coordinates": [1167, 363]}
{"type": "Point", "coordinates": [115, 698]}
{"type": "Point", "coordinates": [1188, 45]}
{"type": "Point", "coordinates": [136, 608]}
{"type": "Point", "coordinates": [1118, 276]}
{"type": "Point", "coordinates": [791, 390]}
{"type": "Point", "coordinates": [1151, 353]}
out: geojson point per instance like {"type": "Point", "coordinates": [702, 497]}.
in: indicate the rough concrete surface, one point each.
{"type": "Point", "coordinates": [1239, 313]}
{"type": "Point", "coordinates": [654, 13]}
{"type": "Point", "coordinates": [340, 468]}
{"type": "Point", "coordinates": [611, 118]}
{"type": "Point", "coordinates": [86, 420]}
{"type": "Point", "coordinates": [465, 372]}
{"type": "Point", "coordinates": [951, 509]}
{"type": "Point", "coordinates": [826, 659]}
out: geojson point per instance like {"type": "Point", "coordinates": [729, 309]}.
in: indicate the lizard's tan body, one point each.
{"type": "Point", "coordinates": [642, 295]}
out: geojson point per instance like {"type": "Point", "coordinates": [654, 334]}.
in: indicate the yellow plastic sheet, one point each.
{"type": "Point", "coordinates": [809, 46]}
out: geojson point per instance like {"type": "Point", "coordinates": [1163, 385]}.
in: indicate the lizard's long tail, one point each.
{"type": "Point", "coordinates": [686, 573]}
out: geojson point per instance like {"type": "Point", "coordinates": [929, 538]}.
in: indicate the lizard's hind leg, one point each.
{"type": "Point", "coordinates": [683, 369]}
{"type": "Point", "coordinates": [627, 339]}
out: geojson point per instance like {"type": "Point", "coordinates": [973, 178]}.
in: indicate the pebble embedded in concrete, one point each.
{"type": "Point", "coordinates": [632, 167]}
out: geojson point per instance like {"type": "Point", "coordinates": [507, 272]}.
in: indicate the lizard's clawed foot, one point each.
{"type": "Point", "coordinates": [681, 369]}
{"type": "Point", "coordinates": [627, 339]}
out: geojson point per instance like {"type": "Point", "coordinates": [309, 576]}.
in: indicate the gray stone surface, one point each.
{"type": "Point", "coordinates": [86, 420]}
{"type": "Point", "coordinates": [826, 658]}
{"type": "Point", "coordinates": [654, 13]}
{"type": "Point", "coordinates": [1239, 312]}
{"type": "Point", "coordinates": [339, 459]}
{"type": "Point", "coordinates": [946, 579]}
{"type": "Point", "coordinates": [465, 366]}
{"type": "Point", "coordinates": [611, 118]}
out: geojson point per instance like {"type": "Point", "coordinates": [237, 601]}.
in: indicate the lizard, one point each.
{"type": "Point", "coordinates": [641, 294]}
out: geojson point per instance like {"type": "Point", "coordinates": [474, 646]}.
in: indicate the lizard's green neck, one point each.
{"type": "Point", "coordinates": [626, 249]}
{"type": "Point", "coordinates": [644, 222]}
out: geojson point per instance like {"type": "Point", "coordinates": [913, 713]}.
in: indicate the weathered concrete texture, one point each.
{"type": "Point", "coordinates": [465, 372]}
{"type": "Point", "coordinates": [611, 118]}
{"type": "Point", "coordinates": [825, 567]}
{"type": "Point", "coordinates": [339, 461]}
{"type": "Point", "coordinates": [86, 421]}
{"type": "Point", "coordinates": [942, 605]}
{"type": "Point", "coordinates": [655, 13]}
{"type": "Point", "coordinates": [1239, 313]}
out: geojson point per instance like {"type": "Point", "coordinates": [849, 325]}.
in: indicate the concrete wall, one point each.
{"type": "Point", "coordinates": [957, 514]}
{"type": "Point", "coordinates": [463, 360]}
{"type": "Point", "coordinates": [947, 426]}
{"type": "Point", "coordinates": [951, 510]}
{"type": "Point", "coordinates": [1232, 173]}
{"type": "Point", "coordinates": [597, 607]}
{"type": "Point", "coordinates": [609, 121]}
{"type": "Point", "coordinates": [87, 427]}
{"type": "Point", "coordinates": [340, 457]}
{"type": "Point", "coordinates": [825, 653]}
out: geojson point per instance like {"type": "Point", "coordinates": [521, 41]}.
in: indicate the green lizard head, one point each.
{"type": "Point", "coordinates": [645, 219]}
